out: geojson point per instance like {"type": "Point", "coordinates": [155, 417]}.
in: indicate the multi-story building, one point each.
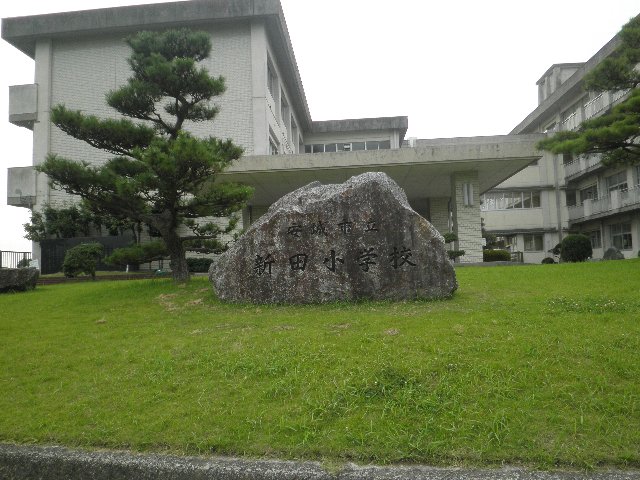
{"type": "Point", "coordinates": [79, 56]}
{"type": "Point", "coordinates": [533, 210]}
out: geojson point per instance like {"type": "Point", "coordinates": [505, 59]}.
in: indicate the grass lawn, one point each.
{"type": "Point", "coordinates": [530, 365]}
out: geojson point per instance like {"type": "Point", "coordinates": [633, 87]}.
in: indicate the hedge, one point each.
{"type": "Point", "coordinates": [199, 265]}
{"type": "Point", "coordinates": [496, 256]}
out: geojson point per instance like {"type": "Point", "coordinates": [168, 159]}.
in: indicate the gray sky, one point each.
{"type": "Point", "coordinates": [455, 68]}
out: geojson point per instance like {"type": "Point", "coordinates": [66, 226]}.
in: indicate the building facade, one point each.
{"type": "Point", "coordinates": [533, 210]}
{"type": "Point", "coordinates": [80, 56]}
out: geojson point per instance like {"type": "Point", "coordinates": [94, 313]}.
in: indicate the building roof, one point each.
{"type": "Point", "coordinates": [426, 168]}
{"type": "Point", "coordinates": [558, 65]}
{"type": "Point", "coordinates": [23, 32]}
{"type": "Point", "coordinates": [573, 86]}
{"type": "Point", "coordinates": [361, 124]}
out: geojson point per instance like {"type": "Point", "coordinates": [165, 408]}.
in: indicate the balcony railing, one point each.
{"type": "Point", "coordinates": [618, 94]}
{"type": "Point", "coordinates": [21, 187]}
{"type": "Point", "coordinates": [572, 121]}
{"type": "Point", "coordinates": [581, 165]}
{"type": "Point", "coordinates": [592, 108]}
{"type": "Point", "coordinates": [14, 259]}
{"type": "Point", "coordinates": [615, 201]}
{"type": "Point", "coordinates": [595, 106]}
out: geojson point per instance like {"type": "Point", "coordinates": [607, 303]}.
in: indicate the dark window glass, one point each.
{"type": "Point", "coordinates": [357, 146]}
{"type": "Point", "coordinates": [330, 147]}
{"type": "Point", "coordinates": [386, 145]}
{"type": "Point", "coordinates": [373, 145]}
{"type": "Point", "coordinates": [535, 199]}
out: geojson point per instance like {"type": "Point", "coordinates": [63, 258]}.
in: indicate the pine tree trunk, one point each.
{"type": "Point", "coordinates": [178, 264]}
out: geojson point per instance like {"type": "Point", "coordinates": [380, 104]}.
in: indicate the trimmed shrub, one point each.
{"type": "Point", "coordinates": [137, 254]}
{"type": "Point", "coordinates": [453, 254]}
{"type": "Point", "coordinates": [547, 260]}
{"type": "Point", "coordinates": [450, 237]}
{"type": "Point", "coordinates": [82, 258]}
{"type": "Point", "coordinates": [496, 256]}
{"type": "Point", "coordinates": [575, 248]}
{"type": "Point", "coordinates": [199, 265]}
{"type": "Point", "coordinates": [24, 263]}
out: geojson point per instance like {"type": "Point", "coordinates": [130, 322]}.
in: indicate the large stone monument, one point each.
{"type": "Point", "coordinates": [324, 243]}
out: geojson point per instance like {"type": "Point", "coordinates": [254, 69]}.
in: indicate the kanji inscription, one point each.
{"type": "Point", "coordinates": [360, 239]}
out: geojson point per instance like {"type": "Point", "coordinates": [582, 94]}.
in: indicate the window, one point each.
{"type": "Point", "coordinates": [510, 200]}
{"type": "Point", "coordinates": [330, 147]}
{"type": "Point", "coordinates": [617, 181]}
{"type": "Point", "coordinates": [295, 135]}
{"type": "Point", "coordinates": [638, 175]}
{"type": "Point", "coordinates": [533, 243]}
{"type": "Point", "coordinates": [507, 241]}
{"type": "Point", "coordinates": [621, 236]}
{"type": "Point", "coordinates": [567, 158]}
{"type": "Point", "coordinates": [284, 110]}
{"type": "Point", "coordinates": [589, 193]}
{"type": "Point", "coordinates": [595, 237]}
{"type": "Point", "coordinates": [273, 146]}
{"type": "Point", "coordinates": [272, 80]}
{"type": "Point", "coordinates": [531, 199]}
{"type": "Point", "coordinates": [467, 194]}
{"type": "Point", "coordinates": [348, 146]}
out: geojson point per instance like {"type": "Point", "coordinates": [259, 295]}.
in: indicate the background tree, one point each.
{"type": "Point", "coordinates": [75, 220]}
{"type": "Point", "coordinates": [615, 135]}
{"type": "Point", "coordinates": [161, 175]}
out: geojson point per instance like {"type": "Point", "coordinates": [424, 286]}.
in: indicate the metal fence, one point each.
{"type": "Point", "coordinates": [14, 259]}
{"type": "Point", "coordinates": [53, 251]}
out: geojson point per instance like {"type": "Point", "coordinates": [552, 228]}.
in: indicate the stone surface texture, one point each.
{"type": "Point", "coordinates": [26, 462]}
{"type": "Point", "coordinates": [612, 253]}
{"type": "Point", "coordinates": [18, 279]}
{"type": "Point", "coordinates": [324, 243]}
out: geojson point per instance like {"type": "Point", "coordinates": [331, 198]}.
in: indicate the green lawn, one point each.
{"type": "Point", "coordinates": [532, 365]}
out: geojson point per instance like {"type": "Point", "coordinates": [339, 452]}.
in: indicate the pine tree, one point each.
{"type": "Point", "coordinates": [616, 134]}
{"type": "Point", "coordinates": [161, 175]}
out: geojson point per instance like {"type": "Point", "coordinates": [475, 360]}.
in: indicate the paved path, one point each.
{"type": "Point", "coordinates": [57, 463]}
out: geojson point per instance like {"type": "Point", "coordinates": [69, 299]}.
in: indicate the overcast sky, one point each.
{"type": "Point", "coordinates": [455, 68]}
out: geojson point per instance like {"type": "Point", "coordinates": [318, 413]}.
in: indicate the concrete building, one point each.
{"type": "Point", "coordinates": [79, 56]}
{"type": "Point", "coordinates": [533, 210]}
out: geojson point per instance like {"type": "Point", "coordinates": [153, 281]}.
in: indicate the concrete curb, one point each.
{"type": "Point", "coordinates": [58, 463]}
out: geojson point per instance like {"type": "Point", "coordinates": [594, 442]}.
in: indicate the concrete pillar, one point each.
{"type": "Point", "coordinates": [259, 88]}
{"type": "Point", "coordinates": [465, 202]}
{"type": "Point", "coordinates": [42, 128]}
{"type": "Point", "coordinates": [439, 209]}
